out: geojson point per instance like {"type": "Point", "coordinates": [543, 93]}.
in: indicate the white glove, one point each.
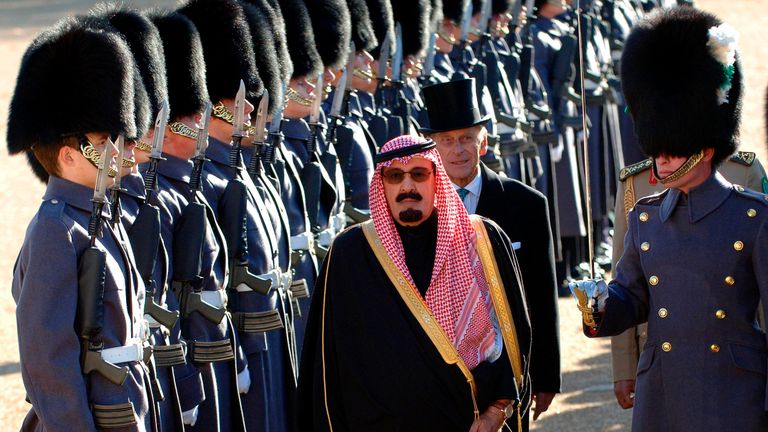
{"type": "Point", "coordinates": [587, 292]}
{"type": "Point", "coordinates": [190, 417]}
{"type": "Point", "coordinates": [243, 381]}
{"type": "Point", "coordinates": [556, 152]}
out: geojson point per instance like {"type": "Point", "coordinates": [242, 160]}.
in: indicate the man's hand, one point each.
{"type": "Point", "coordinates": [492, 420]}
{"type": "Point", "coordinates": [541, 402]}
{"type": "Point", "coordinates": [625, 393]}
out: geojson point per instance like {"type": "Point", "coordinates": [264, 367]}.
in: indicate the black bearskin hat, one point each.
{"type": "Point", "coordinates": [363, 35]}
{"type": "Point", "coordinates": [454, 9]}
{"type": "Point", "coordinates": [227, 47]}
{"type": "Point", "coordinates": [500, 6]}
{"type": "Point", "coordinates": [413, 17]}
{"type": "Point", "coordinates": [184, 61]}
{"type": "Point", "coordinates": [436, 17]}
{"type": "Point", "coordinates": [265, 52]}
{"type": "Point", "coordinates": [281, 38]}
{"type": "Point", "coordinates": [276, 27]}
{"type": "Point", "coordinates": [671, 80]}
{"type": "Point", "coordinates": [497, 6]}
{"type": "Point", "coordinates": [147, 48]}
{"type": "Point", "coordinates": [301, 40]}
{"type": "Point", "coordinates": [333, 29]}
{"type": "Point", "coordinates": [85, 73]}
{"type": "Point", "coordinates": [380, 12]}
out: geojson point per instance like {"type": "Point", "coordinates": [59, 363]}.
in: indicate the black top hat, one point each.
{"type": "Point", "coordinates": [452, 105]}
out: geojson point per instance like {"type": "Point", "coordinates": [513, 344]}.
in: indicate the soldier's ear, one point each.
{"type": "Point", "coordinates": [709, 153]}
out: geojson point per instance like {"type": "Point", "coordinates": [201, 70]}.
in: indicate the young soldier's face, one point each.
{"type": "Point", "coordinates": [299, 96]}
{"type": "Point", "coordinates": [666, 165]}
{"type": "Point", "coordinates": [410, 190]}
{"type": "Point", "coordinates": [80, 169]}
{"type": "Point", "coordinates": [460, 151]}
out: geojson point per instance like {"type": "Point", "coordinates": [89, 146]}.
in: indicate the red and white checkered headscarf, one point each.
{"type": "Point", "coordinates": [458, 294]}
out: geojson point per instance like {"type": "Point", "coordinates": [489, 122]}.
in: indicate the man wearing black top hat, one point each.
{"type": "Point", "coordinates": [459, 131]}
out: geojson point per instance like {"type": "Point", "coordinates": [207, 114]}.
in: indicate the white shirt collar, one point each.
{"type": "Point", "coordinates": [475, 185]}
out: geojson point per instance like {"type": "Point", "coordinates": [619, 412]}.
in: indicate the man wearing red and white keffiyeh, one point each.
{"type": "Point", "coordinates": [458, 293]}
{"type": "Point", "coordinates": [371, 360]}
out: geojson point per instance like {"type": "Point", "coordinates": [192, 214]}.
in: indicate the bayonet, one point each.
{"type": "Point", "coordinates": [314, 113]}
{"type": "Point", "coordinates": [516, 11]}
{"type": "Point", "coordinates": [201, 145]}
{"type": "Point", "coordinates": [238, 131]}
{"type": "Point", "coordinates": [338, 96]}
{"type": "Point", "coordinates": [156, 154]}
{"type": "Point", "coordinates": [260, 125]}
{"type": "Point", "coordinates": [239, 112]}
{"type": "Point", "coordinates": [384, 55]}
{"type": "Point", "coordinates": [275, 135]}
{"type": "Point", "coordinates": [397, 59]}
{"type": "Point", "coordinates": [466, 21]}
{"type": "Point", "coordinates": [115, 189]}
{"type": "Point", "coordinates": [99, 193]}
{"type": "Point", "coordinates": [485, 17]}
{"type": "Point", "coordinates": [260, 135]}
{"type": "Point", "coordinates": [429, 62]}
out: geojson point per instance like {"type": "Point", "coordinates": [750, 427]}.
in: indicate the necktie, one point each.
{"type": "Point", "coordinates": [462, 193]}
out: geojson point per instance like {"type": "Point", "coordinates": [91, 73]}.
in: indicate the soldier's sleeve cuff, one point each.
{"type": "Point", "coordinates": [191, 391]}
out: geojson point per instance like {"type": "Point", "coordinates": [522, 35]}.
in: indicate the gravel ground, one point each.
{"type": "Point", "coordinates": [587, 402]}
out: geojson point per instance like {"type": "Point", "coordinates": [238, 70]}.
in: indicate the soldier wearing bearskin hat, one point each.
{"type": "Point", "coordinates": [703, 363]}
{"type": "Point", "coordinates": [79, 297]}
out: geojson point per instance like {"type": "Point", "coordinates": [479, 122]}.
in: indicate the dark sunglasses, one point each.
{"type": "Point", "coordinates": [396, 176]}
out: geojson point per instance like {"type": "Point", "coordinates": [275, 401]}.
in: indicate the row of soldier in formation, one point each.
{"type": "Point", "coordinates": [182, 226]}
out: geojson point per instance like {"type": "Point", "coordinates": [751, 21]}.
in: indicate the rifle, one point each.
{"type": "Point", "coordinates": [189, 237]}
{"type": "Point", "coordinates": [233, 217]}
{"type": "Point", "coordinates": [92, 274]}
{"type": "Point", "coordinates": [144, 234]}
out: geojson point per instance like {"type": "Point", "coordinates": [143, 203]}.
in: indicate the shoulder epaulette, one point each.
{"type": "Point", "coordinates": [635, 168]}
{"type": "Point", "coordinates": [744, 158]}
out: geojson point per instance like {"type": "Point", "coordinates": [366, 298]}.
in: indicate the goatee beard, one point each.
{"type": "Point", "coordinates": [411, 215]}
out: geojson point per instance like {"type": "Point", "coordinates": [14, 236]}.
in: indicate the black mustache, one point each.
{"type": "Point", "coordinates": [406, 195]}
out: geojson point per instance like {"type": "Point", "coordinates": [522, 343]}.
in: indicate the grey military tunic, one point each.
{"type": "Point", "coordinates": [693, 267]}
{"type": "Point", "coordinates": [45, 288]}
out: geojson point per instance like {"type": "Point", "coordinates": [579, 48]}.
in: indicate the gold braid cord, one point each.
{"type": "Point", "coordinates": [293, 95]}
{"type": "Point", "coordinates": [141, 145]}
{"type": "Point", "coordinates": [629, 198]}
{"type": "Point", "coordinates": [222, 112]}
{"type": "Point", "coordinates": [684, 169]}
{"type": "Point", "coordinates": [129, 163]}
{"type": "Point", "coordinates": [181, 129]}
{"type": "Point", "coordinates": [364, 74]}
{"type": "Point", "coordinates": [93, 155]}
